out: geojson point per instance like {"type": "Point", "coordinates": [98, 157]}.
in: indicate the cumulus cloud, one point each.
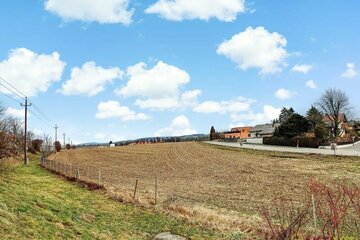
{"type": "Point", "coordinates": [350, 71]}
{"type": "Point", "coordinates": [178, 127]}
{"type": "Point", "coordinates": [15, 113]}
{"type": "Point", "coordinates": [237, 105]}
{"type": "Point", "coordinates": [284, 94]}
{"type": "Point", "coordinates": [109, 11]}
{"type": "Point", "coordinates": [113, 109]}
{"type": "Point", "coordinates": [304, 68]}
{"type": "Point", "coordinates": [268, 114]}
{"type": "Point", "coordinates": [158, 88]}
{"type": "Point", "coordinates": [31, 72]}
{"type": "Point", "coordinates": [178, 10]}
{"type": "Point", "coordinates": [311, 84]}
{"type": "Point", "coordinates": [256, 48]}
{"type": "Point", "coordinates": [89, 79]}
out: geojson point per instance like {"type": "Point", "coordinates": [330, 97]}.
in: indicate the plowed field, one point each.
{"type": "Point", "coordinates": [234, 179]}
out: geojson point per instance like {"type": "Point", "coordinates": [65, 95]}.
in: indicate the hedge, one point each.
{"type": "Point", "coordinates": [292, 142]}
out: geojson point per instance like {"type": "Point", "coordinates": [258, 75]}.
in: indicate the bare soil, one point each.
{"type": "Point", "coordinates": [223, 178]}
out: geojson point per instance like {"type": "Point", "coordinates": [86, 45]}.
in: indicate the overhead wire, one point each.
{"type": "Point", "coordinates": [10, 97]}
{"type": "Point", "coordinates": [11, 90]}
{"type": "Point", "coordinates": [1, 78]}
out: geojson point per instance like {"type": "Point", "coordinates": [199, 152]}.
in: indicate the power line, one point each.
{"type": "Point", "coordinates": [11, 91]}
{"type": "Point", "coordinates": [37, 116]}
{"type": "Point", "coordinates": [41, 112]}
{"type": "Point", "coordinates": [10, 97]}
{"type": "Point", "coordinates": [13, 87]}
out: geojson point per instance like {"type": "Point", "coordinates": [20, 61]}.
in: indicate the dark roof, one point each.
{"type": "Point", "coordinates": [264, 128]}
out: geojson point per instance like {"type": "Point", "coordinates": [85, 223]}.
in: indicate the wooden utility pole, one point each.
{"type": "Point", "coordinates": [56, 128]}
{"type": "Point", "coordinates": [26, 105]}
{"type": "Point", "coordinates": [64, 140]}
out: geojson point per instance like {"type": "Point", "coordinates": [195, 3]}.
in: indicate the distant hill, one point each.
{"type": "Point", "coordinates": [184, 138]}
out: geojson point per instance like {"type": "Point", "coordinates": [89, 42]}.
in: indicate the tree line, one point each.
{"type": "Point", "coordinates": [12, 137]}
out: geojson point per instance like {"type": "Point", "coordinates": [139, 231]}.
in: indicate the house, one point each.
{"type": "Point", "coordinates": [263, 130]}
{"type": "Point", "coordinates": [343, 123]}
{"type": "Point", "coordinates": [239, 133]}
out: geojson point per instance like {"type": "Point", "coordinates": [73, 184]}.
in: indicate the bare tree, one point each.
{"type": "Point", "coordinates": [334, 104]}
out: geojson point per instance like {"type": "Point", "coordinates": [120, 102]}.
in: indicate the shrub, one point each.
{"type": "Point", "coordinates": [337, 211]}
{"type": "Point", "coordinates": [292, 142]}
{"type": "Point", "coordinates": [68, 146]}
{"type": "Point", "coordinates": [36, 144]}
{"type": "Point", "coordinates": [57, 146]}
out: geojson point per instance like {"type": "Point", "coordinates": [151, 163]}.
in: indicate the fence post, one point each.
{"type": "Point", "coordinates": [156, 189]}
{"type": "Point", "coordinates": [88, 172]}
{"type": "Point", "coordinates": [78, 174]}
{"type": "Point", "coordinates": [136, 185]}
{"type": "Point", "coordinates": [99, 180]}
{"type": "Point", "coordinates": [314, 215]}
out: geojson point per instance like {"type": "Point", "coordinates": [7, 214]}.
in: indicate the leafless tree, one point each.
{"type": "Point", "coordinates": [47, 146]}
{"type": "Point", "coordinates": [335, 105]}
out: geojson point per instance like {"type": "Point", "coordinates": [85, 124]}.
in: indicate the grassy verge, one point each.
{"type": "Point", "coordinates": [35, 204]}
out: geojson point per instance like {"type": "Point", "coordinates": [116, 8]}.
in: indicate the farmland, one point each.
{"type": "Point", "coordinates": [213, 176]}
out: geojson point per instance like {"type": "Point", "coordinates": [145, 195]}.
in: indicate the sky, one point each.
{"type": "Point", "coordinates": [126, 69]}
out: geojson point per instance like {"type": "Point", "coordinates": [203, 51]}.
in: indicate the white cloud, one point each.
{"type": "Point", "coordinates": [350, 71]}
{"type": "Point", "coordinates": [16, 113]}
{"type": "Point", "coordinates": [256, 48]}
{"type": "Point", "coordinates": [178, 10]}
{"type": "Point", "coordinates": [158, 88]}
{"type": "Point", "coordinates": [113, 109]}
{"type": "Point", "coordinates": [311, 84]}
{"type": "Point", "coordinates": [237, 105]}
{"type": "Point", "coordinates": [178, 127]}
{"type": "Point", "coordinates": [109, 11]}
{"type": "Point", "coordinates": [30, 72]}
{"type": "Point", "coordinates": [37, 132]}
{"type": "Point", "coordinates": [89, 79]}
{"type": "Point", "coordinates": [284, 94]}
{"type": "Point", "coordinates": [269, 113]}
{"type": "Point", "coordinates": [100, 136]}
{"type": "Point", "coordinates": [304, 68]}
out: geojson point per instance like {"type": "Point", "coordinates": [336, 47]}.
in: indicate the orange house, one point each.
{"type": "Point", "coordinates": [239, 132]}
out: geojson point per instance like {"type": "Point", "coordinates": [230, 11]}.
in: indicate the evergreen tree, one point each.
{"type": "Point", "coordinates": [285, 114]}
{"type": "Point", "coordinates": [295, 125]}
{"type": "Point", "coordinates": [212, 133]}
{"type": "Point", "coordinates": [314, 117]}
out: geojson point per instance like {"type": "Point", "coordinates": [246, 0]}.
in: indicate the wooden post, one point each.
{"type": "Point", "coordinates": [156, 189]}
{"type": "Point", "coordinates": [314, 215]}
{"type": "Point", "coordinates": [136, 185]}
{"type": "Point", "coordinates": [99, 180]}
{"type": "Point", "coordinates": [70, 174]}
{"type": "Point", "coordinates": [88, 172]}
{"type": "Point", "coordinates": [78, 174]}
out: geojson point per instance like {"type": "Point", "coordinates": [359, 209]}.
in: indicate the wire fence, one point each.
{"type": "Point", "coordinates": [135, 187]}
{"type": "Point", "coordinates": [151, 189]}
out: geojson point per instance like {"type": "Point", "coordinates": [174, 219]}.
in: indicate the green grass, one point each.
{"type": "Point", "coordinates": [34, 204]}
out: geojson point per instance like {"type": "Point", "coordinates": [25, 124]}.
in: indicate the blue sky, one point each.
{"type": "Point", "coordinates": [124, 69]}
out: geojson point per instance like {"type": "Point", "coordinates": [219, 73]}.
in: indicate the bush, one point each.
{"type": "Point", "coordinates": [68, 146]}
{"type": "Point", "coordinates": [337, 211]}
{"type": "Point", "coordinates": [36, 144]}
{"type": "Point", "coordinates": [292, 142]}
{"type": "Point", "coordinates": [57, 146]}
